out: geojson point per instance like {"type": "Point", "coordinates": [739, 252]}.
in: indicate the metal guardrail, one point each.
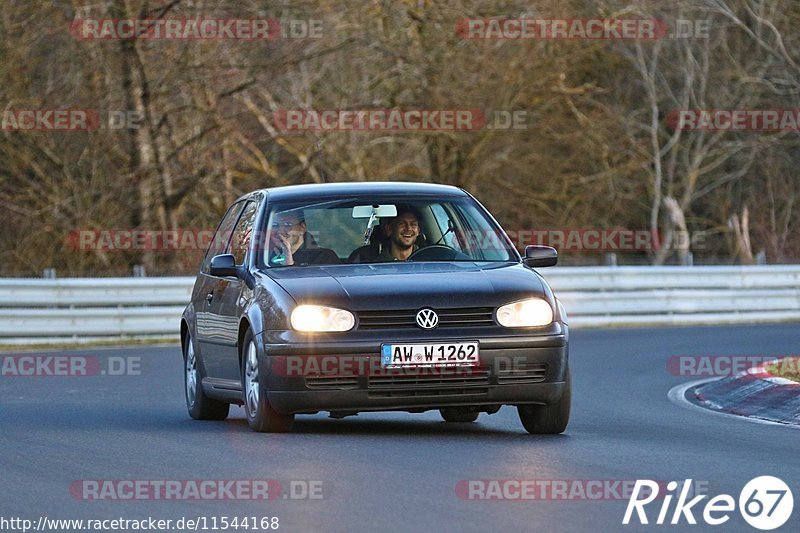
{"type": "Point", "coordinates": [46, 311]}
{"type": "Point", "coordinates": [42, 311]}
{"type": "Point", "coordinates": [629, 296]}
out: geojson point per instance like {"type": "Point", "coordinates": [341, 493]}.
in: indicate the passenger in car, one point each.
{"type": "Point", "coordinates": [291, 244]}
{"type": "Point", "coordinates": [403, 231]}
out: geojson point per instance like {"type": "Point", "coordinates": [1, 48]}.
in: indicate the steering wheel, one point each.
{"type": "Point", "coordinates": [437, 252]}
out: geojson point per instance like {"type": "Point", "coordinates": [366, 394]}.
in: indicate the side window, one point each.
{"type": "Point", "coordinates": [223, 234]}
{"type": "Point", "coordinates": [243, 232]}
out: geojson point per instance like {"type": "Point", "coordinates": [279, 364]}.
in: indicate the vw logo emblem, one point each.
{"type": "Point", "coordinates": [427, 318]}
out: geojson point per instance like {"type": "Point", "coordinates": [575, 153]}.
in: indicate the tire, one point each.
{"type": "Point", "coordinates": [260, 415]}
{"type": "Point", "coordinates": [200, 406]}
{"type": "Point", "coordinates": [455, 414]}
{"type": "Point", "coordinates": [548, 419]}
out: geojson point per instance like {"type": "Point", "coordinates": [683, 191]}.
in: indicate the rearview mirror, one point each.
{"type": "Point", "coordinates": [380, 211]}
{"type": "Point", "coordinates": [540, 256]}
{"type": "Point", "coordinates": [223, 265]}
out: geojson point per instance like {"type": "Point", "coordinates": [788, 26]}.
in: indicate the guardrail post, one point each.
{"type": "Point", "coordinates": [139, 271]}
{"type": "Point", "coordinates": [761, 258]}
{"type": "Point", "coordinates": [49, 273]}
{"type": "Point", "coordinates": [611, 259]}
{"type": "Point", "coordinates": [688, 259]}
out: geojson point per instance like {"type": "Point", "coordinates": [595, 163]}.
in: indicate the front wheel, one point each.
{"type": "Point", "coordinates": [548, 419]}
{"type": "Point", "coordinates": [260, 415]}
{"type": "Point", "coordinates": [200, 406]}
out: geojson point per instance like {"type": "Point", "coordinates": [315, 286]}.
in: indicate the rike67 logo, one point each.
{"type": "Point", "coordinates": [765, 502]}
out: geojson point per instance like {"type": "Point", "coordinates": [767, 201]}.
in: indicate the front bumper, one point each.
{"type": "Point", "coordinates": [347, 377]}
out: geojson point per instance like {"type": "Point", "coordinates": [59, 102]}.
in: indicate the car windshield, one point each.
{"type": "Point", "coordinates": [381, 230]}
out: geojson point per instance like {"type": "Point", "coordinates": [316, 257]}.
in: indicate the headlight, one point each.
{"type": "Point", "coordinates": [525, 314]}
{"type": "Point", "coordinates": [321, 318]}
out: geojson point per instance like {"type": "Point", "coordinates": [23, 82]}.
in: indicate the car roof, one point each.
{"type": "Point", "coordinates": [327, 190]}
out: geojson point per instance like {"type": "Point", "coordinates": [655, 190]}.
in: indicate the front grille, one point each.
{"type": "Point", "coordinates": [430, 377]}
{"type": "Point", "coordinates": [522, 373]}
{"type": "Point", "coordinates": [459, 317]}
{"type": "Point", "coordinates": [428, 382]}
{"type": "Point", "coordinates": [417, 393]}
{"type": "Point", "coordinates": [331, 383]}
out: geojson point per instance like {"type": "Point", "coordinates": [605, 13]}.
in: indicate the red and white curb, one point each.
{"type": "Point", "coordinates": [754, 395]}
{"type": "Point", "coordinates": [760, 371]}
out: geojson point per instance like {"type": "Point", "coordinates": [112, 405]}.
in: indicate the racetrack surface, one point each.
{"type": "Point", "coordinates": [395, 471]}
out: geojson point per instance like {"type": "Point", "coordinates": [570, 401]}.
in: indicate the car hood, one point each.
{"type": "Point", "coordinates": [409, 285]}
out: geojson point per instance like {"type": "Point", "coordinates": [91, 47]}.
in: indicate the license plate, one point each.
{"type": "Point", "coordinates": [437, 354]}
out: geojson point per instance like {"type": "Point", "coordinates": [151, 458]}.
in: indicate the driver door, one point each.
{"type": "Point", "coordinates": [230, 298]}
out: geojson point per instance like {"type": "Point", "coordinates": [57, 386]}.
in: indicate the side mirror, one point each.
{"type": "Point", "coordinates": [540, 256]}
{"type": "Point", "coordinates": [224, 265]}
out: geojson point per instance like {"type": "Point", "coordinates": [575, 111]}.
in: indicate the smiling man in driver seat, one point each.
{"type": "Point", "coordinates": [403, 233]}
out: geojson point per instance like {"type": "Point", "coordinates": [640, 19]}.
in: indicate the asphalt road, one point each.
{"type": "Point", "coordinates": [392, 471]}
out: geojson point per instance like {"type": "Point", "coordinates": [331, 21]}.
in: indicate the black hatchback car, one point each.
{"type": "Point", "coordinates": [372, 297]}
